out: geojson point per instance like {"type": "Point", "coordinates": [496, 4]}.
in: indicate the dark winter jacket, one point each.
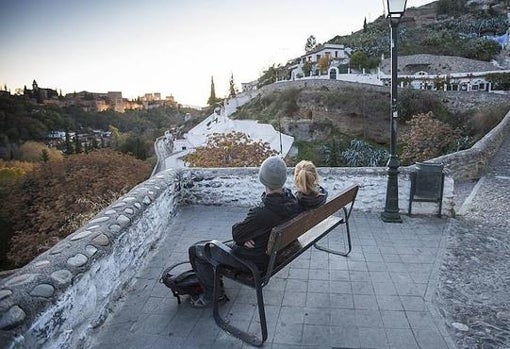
{"type": "Point", "coordinates": [307, 202]}
{"type": "Point", "coordinates": [275, 209]}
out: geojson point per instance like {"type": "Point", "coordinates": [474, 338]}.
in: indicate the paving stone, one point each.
{"type": "Point", "coordinates": [389, 302]}
{"type": "Point", "coordinates": [373, 338]}
{"type": "Point", "coordinates": [365, 301]}
{"type": "Point", "coordinates": [428, 339]}
{"type": "Point", "coordinates": [394, 319]}
{"type": "Point", "coordinates": [401, 338]}
{"type": "Point", "coordinates": [344, 337]}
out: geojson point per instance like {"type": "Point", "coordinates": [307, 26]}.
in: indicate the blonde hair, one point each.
{"type": "Point", "coordinates": [306, 178]}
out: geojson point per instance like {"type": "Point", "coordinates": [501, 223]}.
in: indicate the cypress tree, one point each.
{"type": "Point", "coordinates": [69, 147]}
{"type": "Point", "coordinates": [232, 93]}
{"type": "Point", "coordinates": [212, 98]}
{"type": "Point", "coordinates": [77, 144]}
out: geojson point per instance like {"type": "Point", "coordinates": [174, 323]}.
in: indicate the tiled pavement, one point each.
{"type": "Point", "coordinates": [378, 297]}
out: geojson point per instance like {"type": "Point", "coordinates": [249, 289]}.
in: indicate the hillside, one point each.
{"type": "Point", "coordinates": [445, 27]}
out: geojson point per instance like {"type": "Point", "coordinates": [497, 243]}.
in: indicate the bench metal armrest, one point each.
{"type": "Point", "coordinates": [225, 250]}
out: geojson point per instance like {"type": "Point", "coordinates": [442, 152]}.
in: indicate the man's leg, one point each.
{"type": "Point", "coordinates": [203, 269]}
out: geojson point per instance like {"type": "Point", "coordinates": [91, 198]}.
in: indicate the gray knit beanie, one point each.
{"type": "Point", "coordinates": [273, 172]}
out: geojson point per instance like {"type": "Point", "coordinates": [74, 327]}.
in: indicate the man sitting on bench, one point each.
{"type": "Point", "coordinates": [251, 235]}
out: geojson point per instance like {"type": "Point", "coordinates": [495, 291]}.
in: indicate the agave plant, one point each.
{"type": "Point", "coordinates": [362, 154]}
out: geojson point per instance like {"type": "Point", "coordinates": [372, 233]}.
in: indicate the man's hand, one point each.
{"type": "Point", "coordinates": [249, 244]}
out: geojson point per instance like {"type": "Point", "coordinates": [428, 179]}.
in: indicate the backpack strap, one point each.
{"type": "Point", "coordinates": [179, 278]}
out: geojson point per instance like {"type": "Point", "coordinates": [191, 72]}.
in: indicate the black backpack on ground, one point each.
{"type": "Point", "coordinates": [182, 283]}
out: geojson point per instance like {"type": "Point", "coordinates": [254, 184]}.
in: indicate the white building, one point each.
{"type": "Point", "coordinates": [336, 53]}
{"type": "Point", "coordinates": [431, 72]}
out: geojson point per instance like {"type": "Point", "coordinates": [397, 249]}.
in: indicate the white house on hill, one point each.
{"type": "Point", "coordinates": [337, 54]}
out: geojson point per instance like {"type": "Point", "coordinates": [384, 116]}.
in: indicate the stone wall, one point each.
{"type": "Point", "coordinates": [240, 187]}
{"type": "Point", "coordinates": [471, 163]}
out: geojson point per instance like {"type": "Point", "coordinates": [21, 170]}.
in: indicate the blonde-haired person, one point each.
{"type": "Point", "coordinates": [309, 193]}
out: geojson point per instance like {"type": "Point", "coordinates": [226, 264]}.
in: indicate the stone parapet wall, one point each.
{"type": "Point", "coordinates": [56, 298]}
{"type": "Point", "coordinates": [471, 163]}
{"type": "Point", "coordinates": [241, 187]}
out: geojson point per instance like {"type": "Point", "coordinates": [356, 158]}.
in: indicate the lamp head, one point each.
{"type": "Point", "coordinates": [395, 9]}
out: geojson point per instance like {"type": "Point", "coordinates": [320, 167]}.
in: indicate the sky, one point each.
{"type": "Point", "coordinates": [167, 46]}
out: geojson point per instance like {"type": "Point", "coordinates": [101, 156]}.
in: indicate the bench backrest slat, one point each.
{"type": "Point", "coordinates": [295, 248]}
{"type": "Point", "coordinates": [294, 228]}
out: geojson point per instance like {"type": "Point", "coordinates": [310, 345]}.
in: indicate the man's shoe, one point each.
{"type": "Point", "coordinates": [200, 301]}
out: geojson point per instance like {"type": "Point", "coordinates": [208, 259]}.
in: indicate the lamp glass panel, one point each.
{"type": "Point", "coordinates": [396, 7]}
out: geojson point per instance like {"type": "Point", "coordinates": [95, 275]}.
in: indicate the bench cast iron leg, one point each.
{"type": "Point", "coordinates": [349, 243]}
{"type": "Point", "coordinates": [225, 324]}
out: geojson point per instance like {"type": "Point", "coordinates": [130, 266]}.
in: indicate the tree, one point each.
{"type": "Point", "coordinates": [428, 138]}
{"type": "Point", "coordinates": [33, 152]}
{"type": "Point", "coordinates": [311, 42]}
{"type": "Point", "coordinates": [45, 157]}
{"type": "Point", "coordinates": [234, 149]}
{"type": "Point", "coordinates": [365, 25]}
{"type": "Point", "coordinates": [115, 135]}
{"type": "Point", "coordinates": [232, 92]}
{"type": "Point", "coordinates": [500, 81]}
{"type": "Point", "coordinates": [77, 144]}
{"type": "Point", "coordinates": [323, 63]}
{"type": "Point", "coordinates": [268, 77]}
{"type": "Point", "coordinates": [58, 197]}
{"type": "Point", "coordinates": [212, 97]}
{"type": "Point", "coordinates": [358, 60]}
{"type": "Point", "coordinates": [307, 68]}
{"type": "Point", "coordinates": [135, 146]}
{"type": "Point", "coordinates": [330, 153]}
{"type": "Point", "coordinates": [68, 146]}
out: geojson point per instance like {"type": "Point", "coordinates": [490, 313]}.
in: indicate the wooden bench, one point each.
{"type": "Point", "coordinates": [287, 241]}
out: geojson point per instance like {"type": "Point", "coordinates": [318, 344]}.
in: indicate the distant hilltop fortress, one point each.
{"type": "Point", "coordinates": [95, 101]}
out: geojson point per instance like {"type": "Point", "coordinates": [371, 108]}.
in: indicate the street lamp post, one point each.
{"type": "Point", "coordinates": [391, 214]}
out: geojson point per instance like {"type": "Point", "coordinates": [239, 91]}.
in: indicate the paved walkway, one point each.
{"type": "Point", "coordinates": [378, 297]}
